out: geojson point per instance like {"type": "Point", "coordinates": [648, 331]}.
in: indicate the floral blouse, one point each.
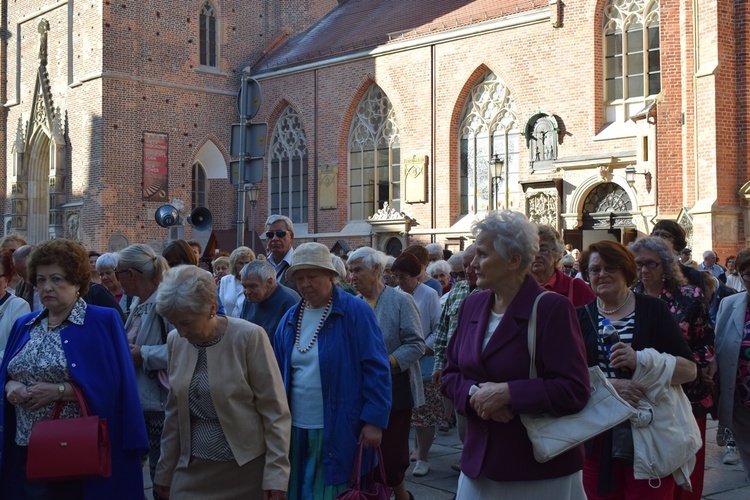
{"type": "Point", "coordinates": [42, 359]}
{"type": "Point", "coordinates": [689, 308]}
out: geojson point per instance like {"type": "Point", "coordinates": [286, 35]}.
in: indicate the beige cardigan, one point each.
{"type": "Point", "coordinates": [249, 397]}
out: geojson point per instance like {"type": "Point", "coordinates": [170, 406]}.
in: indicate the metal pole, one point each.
{"type": "Point", "coordinates": [253, 205]}
{"type": "Point", "coordinates": [243, 149]}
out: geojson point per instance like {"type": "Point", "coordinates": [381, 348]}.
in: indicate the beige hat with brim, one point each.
{"type": "Point", "coordinates": [311, 256]}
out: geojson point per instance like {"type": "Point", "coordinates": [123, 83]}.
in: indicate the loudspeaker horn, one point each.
{"type": "Point", "coordinates": [166, 216]}
{"type": "Point", "coordinates": [200, 219]}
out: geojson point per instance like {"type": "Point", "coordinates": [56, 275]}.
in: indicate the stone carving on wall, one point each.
{"type": "Point", "coordinates": [73, 227]}
{"type": "Point", "coordinates": [543, 135]}
{"type": "Point", "coordinates": [607, 197]}
{"type": "Point", "coordinates": [388, 213]}
{"type": "Point", "coordinates": [415, 169]}
{"type": "Point", "coordinates": [327, 187]}
{"type": "Point", "coordinates": [542, 207]}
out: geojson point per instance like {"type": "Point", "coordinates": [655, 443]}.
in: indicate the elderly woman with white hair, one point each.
{"type": "Point", "coordinates": [441, 271]}
{"type": "Point", "coordinates": [230, 288]}
{"type": "Point", "coordinates": [105, 266]}
{"type": "Point", "coordinates": [335, 368]}
{"type": "Point", "coordinates": [225, 436]}
{"type": "Point", "coordinates": [489, 350]}
{"type": "Point", "coordinates": [400, 322]}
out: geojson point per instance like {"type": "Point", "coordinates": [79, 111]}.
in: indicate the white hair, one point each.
{"type": "Point", "coordinates": [438, 265]}
{"type": "Point", "coordinates": [435, 249]}
{"type": "Point", "coordinates": [370, 258]}
{"type": "Point", "coordinates": [106, 261]}
{"type": "Point", "coordinates": [513, 234]}
{"type": "Point", "coordinates": [276, 218]}
{"type": "Point", "coordinates": [260, 268]}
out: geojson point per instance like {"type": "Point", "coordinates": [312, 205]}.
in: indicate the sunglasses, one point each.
{"type": "Point", "coordinates": [459, 274]}
{"type": "Point", "coordinates": [279, 234]}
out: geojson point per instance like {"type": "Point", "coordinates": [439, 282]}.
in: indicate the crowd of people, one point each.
{"type": "Point", "coordinates": [260, 376]}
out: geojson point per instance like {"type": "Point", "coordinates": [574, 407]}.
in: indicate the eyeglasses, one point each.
{"type": "Point", "coordinates": [663, 235]}
{"type": "Point", "coordinates": [544, 251]}
{"type": "Point", "coordinates": [279, 234]}
{"type": "Point", "coordinates": [459, 274]}
{"type": "Point", "coordinates": [745, 276]}
{"type": "Point", "coordinates": [595, 271]}
{"type": "Point", "coordinates": [120, 271]}
{"type": "Point", "coordinates": [652, 264]}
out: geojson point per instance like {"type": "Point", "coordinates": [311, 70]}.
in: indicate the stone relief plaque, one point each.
{"type": "Point", "coordinates": [415, 173]}
{"type": "Point", "coordinates": [327, 187]}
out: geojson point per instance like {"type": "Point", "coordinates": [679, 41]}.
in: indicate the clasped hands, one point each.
{"type": "Point", "coordinates": [492, 402]}
{"type": "Point", "coordinates": [32, 396]}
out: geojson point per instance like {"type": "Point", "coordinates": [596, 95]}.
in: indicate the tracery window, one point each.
{"type": "Point", "coordinates": [632, 64]}
{"type": "Point", "coordinates": [209, 47]}
{"type": "Point", "coordinates": [288, 168]}
{"type": "Point", "coordinates": [489, 127]}
{"type": "Point", "coordinates": [199, 186]}
{"type": "Point", "coordinates": [374, 156]}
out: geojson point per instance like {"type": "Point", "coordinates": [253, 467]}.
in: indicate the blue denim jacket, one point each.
{"type": "Point", "coordinates": [355, 375]}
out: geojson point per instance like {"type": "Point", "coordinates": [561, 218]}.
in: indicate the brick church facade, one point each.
{"type": "Point", "coordinates": [389, 121]}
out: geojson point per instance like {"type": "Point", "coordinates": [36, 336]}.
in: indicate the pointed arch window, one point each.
{"type": "Point", "coordinates": [209, 47]}
{"type": "Point", "coordinates": [374, 156]}
{"type": "Point", "coordinates": [489, 127]}
{"type": "Point", "coordinates": [632, 61]}
{"type": "Point", "coordinates": [199, 186]}
{"type": "Point", "coordinates": [288, 168]}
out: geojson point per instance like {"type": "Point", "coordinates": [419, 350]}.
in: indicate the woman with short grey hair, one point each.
{"type": "Point", "coordinates": [489, 350]}
{"type": "Point", "coordinates": [387, 274]}
{"type": "Point", "coordinates": [203, 458]}
{"type": "Point", "coordinates": [140, 271]}
{"type": "Point", "coordinates": [230, 287]}
{"type": "Point", "coordinates": [105, 266]}
{"type": "Point", "coordinates": [441, 271]}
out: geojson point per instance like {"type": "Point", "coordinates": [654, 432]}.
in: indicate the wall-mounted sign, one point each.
{"type": "Point", "coordinates": [155, 171]}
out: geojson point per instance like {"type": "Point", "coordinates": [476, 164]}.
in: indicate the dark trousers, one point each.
{"type": "Point", "coordinates": [16, 487]}
{"type": "Point", "coordinates": [395, 446]}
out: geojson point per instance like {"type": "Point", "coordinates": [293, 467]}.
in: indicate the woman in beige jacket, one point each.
{"type": "Point", "coordinates": [227, 427]}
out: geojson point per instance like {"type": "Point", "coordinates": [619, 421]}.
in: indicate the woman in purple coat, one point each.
{"type": "Point", "coordinates": [489, 350]}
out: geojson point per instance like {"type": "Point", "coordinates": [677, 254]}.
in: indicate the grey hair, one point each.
{"type": "Point", "coordinates": [456, 259]}
{"type": "Point", "coordinates": [236, 255]}
{"type": "Point", "coordinates": [550, 234]}
{"type": "Point", "coordinates": [106, 261]}
{"type": "Point", "coordinates": [435, 249]}
{"type": "Point", "coordinates": [673, 276]}
{"type": "Point", "coordinates": [339, 265]}
{"type": "Point", "coordinates": [185, 290]}
{"type": "Point", "coordinates": [276, 218]}
{"type": "Point", "coordinates": [371, 258]}
{"type": "Point", "coordinates": [708, 253]}
{"type": "Point", "coordinates": [151, 265]}
{"type": "Point", "coordinates": [260, 268]}
{"type": "Point", "coordinates": [438, 265]}
{"type": "Point", "coordinates": [568, 259]}
{"type": "Point", "coordinates": [514, 234]}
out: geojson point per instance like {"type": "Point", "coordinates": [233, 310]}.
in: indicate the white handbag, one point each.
{"type": "Point", "coordinates": [550, 436]}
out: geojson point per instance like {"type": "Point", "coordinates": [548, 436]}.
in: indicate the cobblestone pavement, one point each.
{"type": "Point", "coordinates": [722, 482]}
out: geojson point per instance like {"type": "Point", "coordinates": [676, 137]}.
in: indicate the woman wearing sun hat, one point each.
{"type": "Point", "coordinates": [337, 377]}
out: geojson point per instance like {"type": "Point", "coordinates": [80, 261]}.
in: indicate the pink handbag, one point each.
{"type": "Point", "coordinates": [377, 489]}
{"type": "Point", "coordinates": [69, 448]}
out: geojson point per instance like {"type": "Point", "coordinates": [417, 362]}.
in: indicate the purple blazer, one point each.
{"type": "Point", "coordinates": [502, 452]}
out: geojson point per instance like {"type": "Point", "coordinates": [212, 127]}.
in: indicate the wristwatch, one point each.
{"type": "Point", "coordinates": [61, 390]}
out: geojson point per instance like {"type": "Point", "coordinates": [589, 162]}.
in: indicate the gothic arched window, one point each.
{"type": "Point", "coordinates": [288, 168]}
{"type": "Point", "coordinates": [489, 127]}
{"type": "Point", "coordinates": [199, 186]}
{"type": "Point", "coordinates": [374, 156]}
{"type": "Point", "coordinates": [209, 36]}
{"type": "Point", "coordinates": [632, 64]}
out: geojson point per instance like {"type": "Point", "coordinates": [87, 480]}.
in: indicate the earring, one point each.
{"type": "Point", "coordinates": [663, 278]}
{"type": "Point", "coordinates": [210, 316]}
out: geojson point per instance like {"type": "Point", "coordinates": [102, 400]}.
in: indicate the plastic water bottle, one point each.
{"type": "Point", "coordinates": [610, 336]}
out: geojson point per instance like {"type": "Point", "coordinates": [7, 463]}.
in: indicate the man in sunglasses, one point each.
{"type": "Point", "coordinates": [279, 237]}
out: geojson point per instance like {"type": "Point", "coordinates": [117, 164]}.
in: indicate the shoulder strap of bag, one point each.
{"type": "Point", "coordinates": [163, 330]}
{"type": "Point", "coordinates": [532, 336]}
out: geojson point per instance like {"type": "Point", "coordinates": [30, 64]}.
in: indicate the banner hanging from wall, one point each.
{"type": "Point", "coordinates": [155, 171]}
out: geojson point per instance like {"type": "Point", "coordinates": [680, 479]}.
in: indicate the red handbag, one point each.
{"type": "Point", "coordinates": [69, 448]}
{"type": "Point", "coordinates": [377, 489]}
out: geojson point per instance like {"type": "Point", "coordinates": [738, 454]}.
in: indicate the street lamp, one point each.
{"type": "Point", "coordinates": [252, 197]}
{"type": "Point", "coordinates": [630, 174]}
{"type": "Point", "coordinates": [496, 171]}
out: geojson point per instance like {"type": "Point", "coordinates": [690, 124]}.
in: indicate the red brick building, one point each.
{"type": "Point", "coordinates": [600, 117]}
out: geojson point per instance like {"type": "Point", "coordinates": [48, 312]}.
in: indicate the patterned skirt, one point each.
{"type": "Point", "coordinates": [431, 412]}
{"type": "Point", "coordinates": [306, 457]}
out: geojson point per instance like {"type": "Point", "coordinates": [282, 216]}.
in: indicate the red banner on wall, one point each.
{"type": "Point", "coordinates": [155, 166]}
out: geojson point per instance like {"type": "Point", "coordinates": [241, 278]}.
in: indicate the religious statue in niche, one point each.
{"type": "Point", "coordinates": [73, 228]}
{"type": "Point", "coordinates": [542, 138]}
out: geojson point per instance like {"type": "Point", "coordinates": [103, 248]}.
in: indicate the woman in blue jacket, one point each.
{"type": "Point", "coordinates": [337, 376]}
{"type": "Point", "coordinates": [69, 342]}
